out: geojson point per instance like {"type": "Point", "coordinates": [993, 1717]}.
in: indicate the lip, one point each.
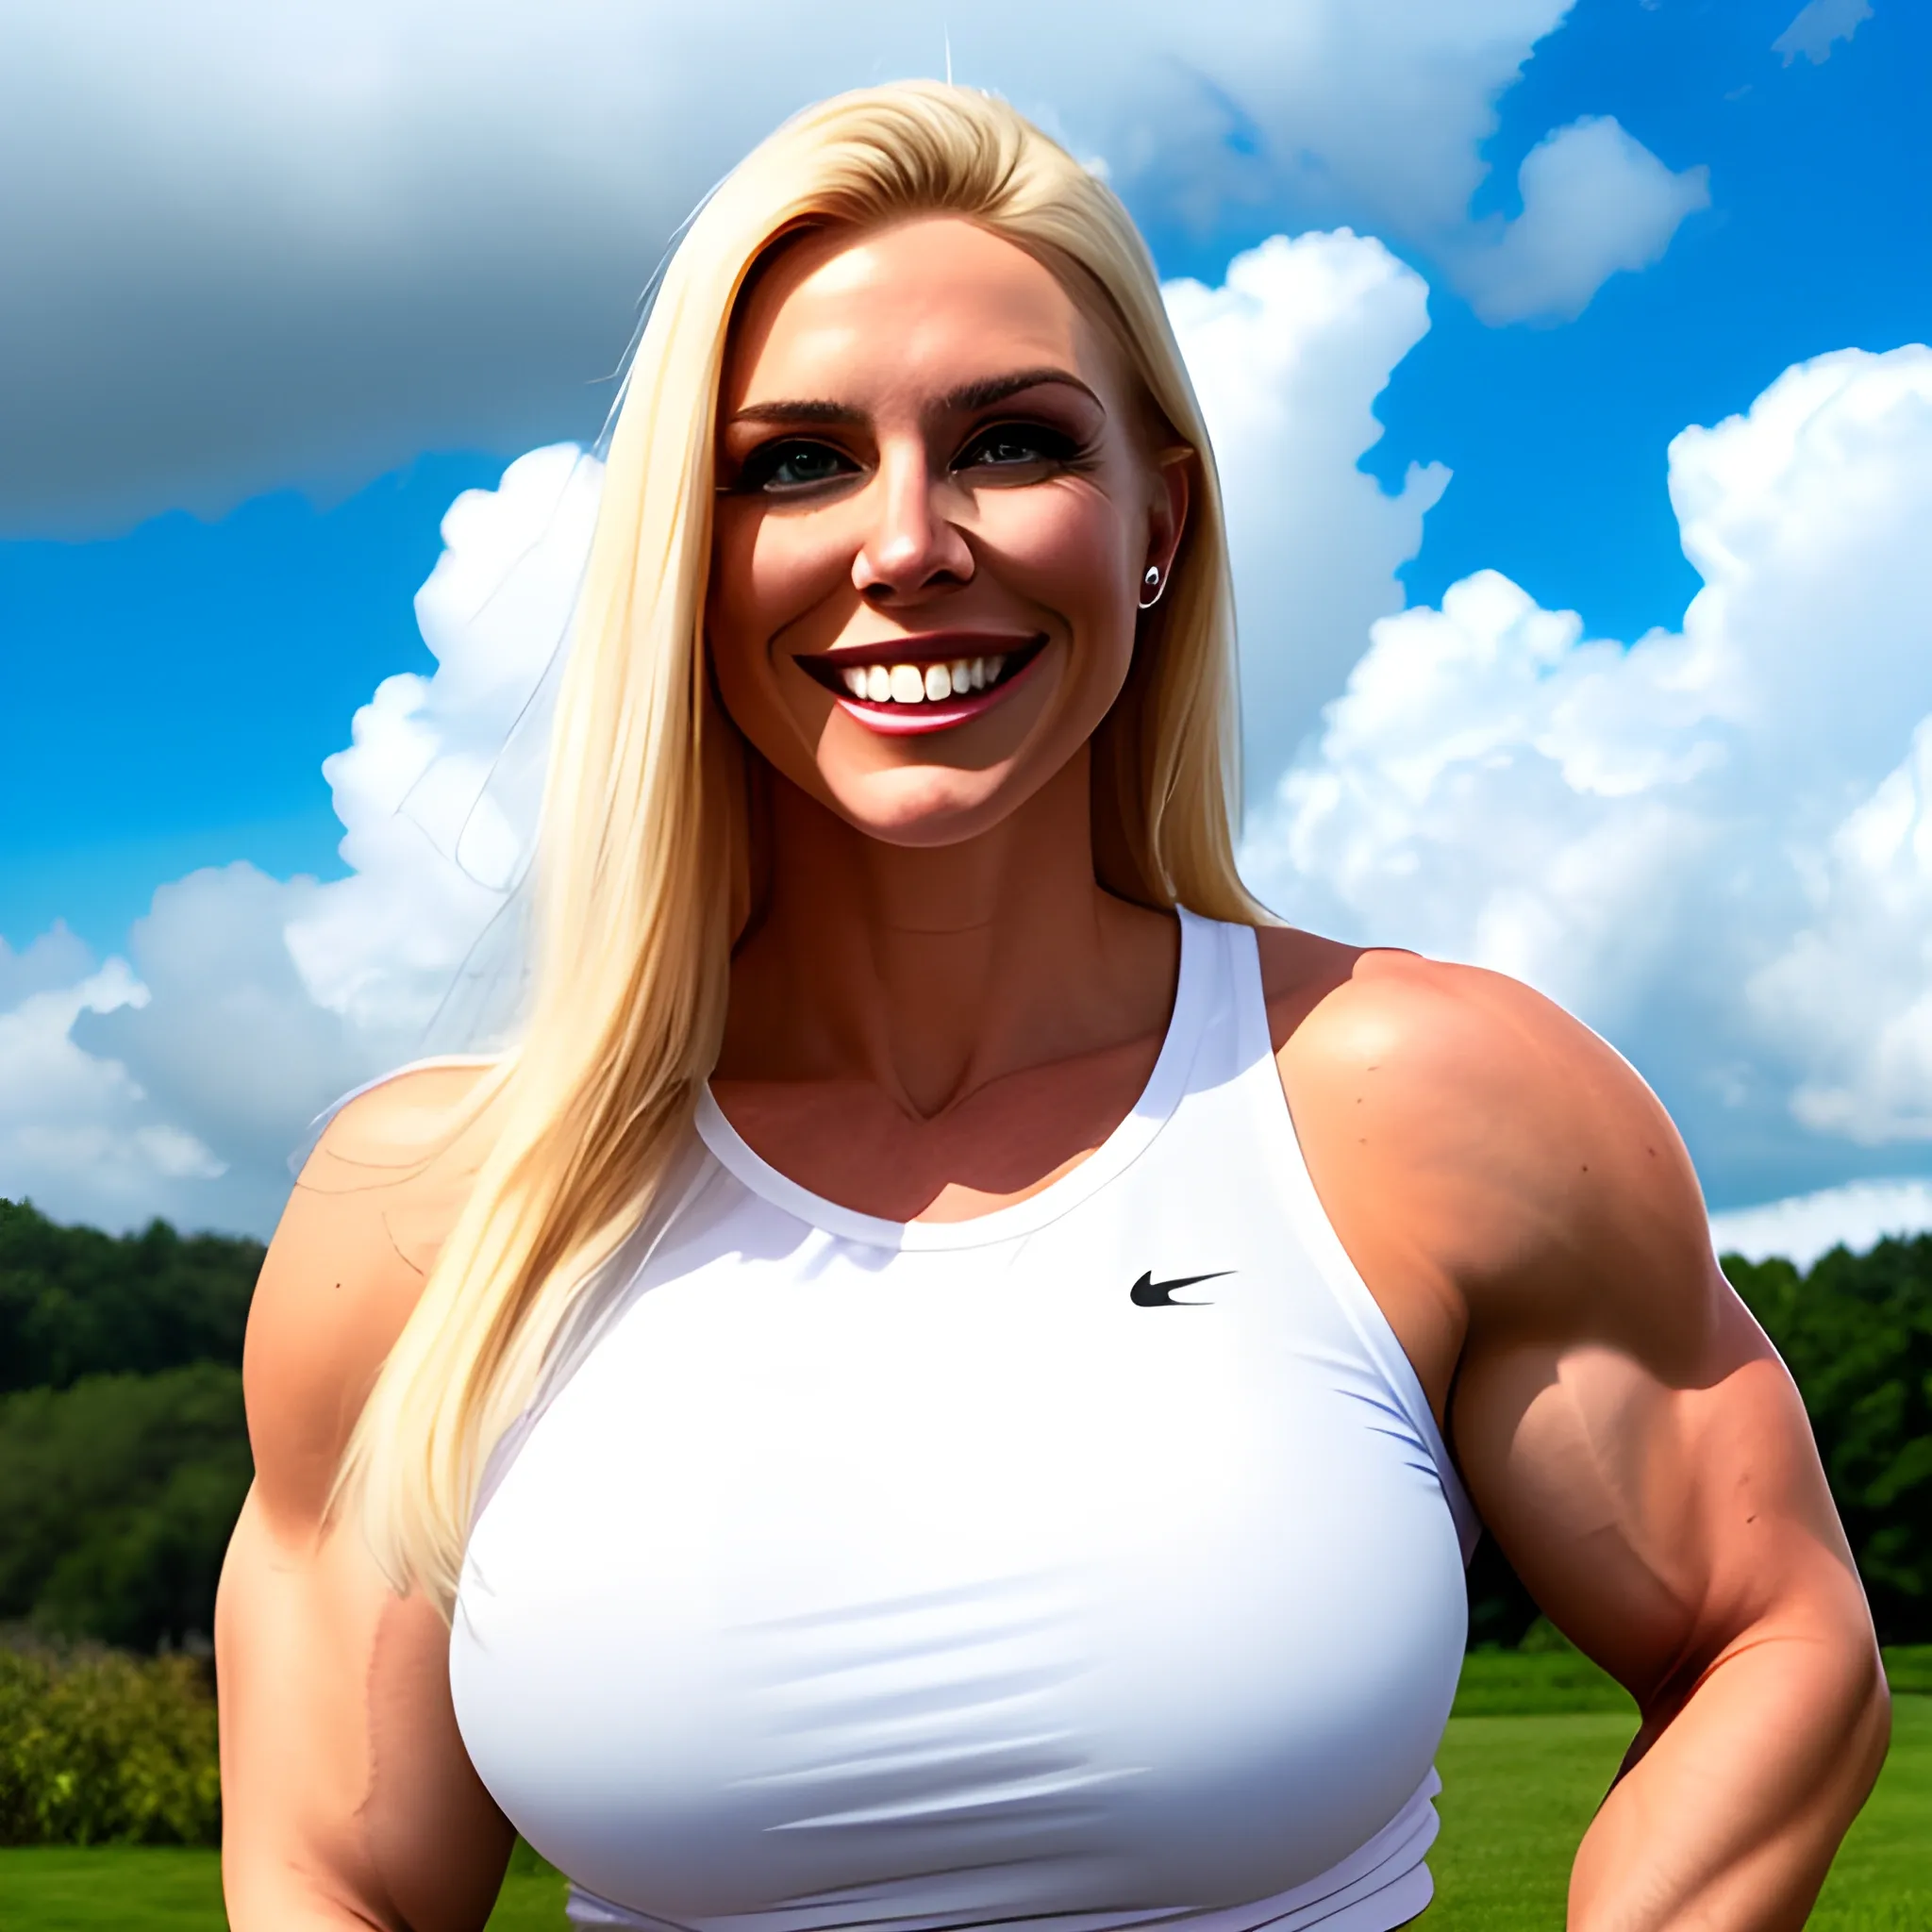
{"type": "Point", "coordinates": [932, 647]}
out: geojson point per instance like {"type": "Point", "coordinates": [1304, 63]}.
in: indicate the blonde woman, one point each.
{"type": "Point", "coordinates": [919, 1394]}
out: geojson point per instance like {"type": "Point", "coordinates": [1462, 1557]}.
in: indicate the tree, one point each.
{"type": "Point", "coordinates": [1857, 1335]}
{"type": "Point", "coordinates": [117, 1497]}
{"type": "Point", "coordinates": [76, 1302]}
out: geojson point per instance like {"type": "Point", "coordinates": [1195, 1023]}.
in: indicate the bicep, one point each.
{"type": "Point", "coordinates": [1660, 1508]}
{"type": "Point", "coordinates": [348, 1798]}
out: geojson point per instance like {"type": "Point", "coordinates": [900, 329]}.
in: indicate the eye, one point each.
{"type": "Point", "coordinates": [794, 464]}
{"type": "Point", "coordinates": [1016, 445]}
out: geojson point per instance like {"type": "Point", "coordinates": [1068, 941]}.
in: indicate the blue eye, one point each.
{"type": "Point", "coordinates": [794, 465]}
{"type": "Point", "coordinates": [1012, 445]}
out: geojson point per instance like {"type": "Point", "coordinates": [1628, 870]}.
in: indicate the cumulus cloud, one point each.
{"type": "Point", "coordinates": [1712, 842]}
{"type": "Point", "coordinates": [1594, 201]}
{"type": "Point", "coordinates": [56, 958]}
{"type": "Point", "coordinates": [300, 244]}
{"type": "Point", "coordinates": [176, 1081]}
{"type": "Point", "coordinates": [1804, 1226]}
{"type": "Point", "coordinates": [1851, 994]}
{"type": "Point", "coordinates": [1495, 787]}
{"type": "Point", "coordinates": [1288, 355]}
{"type": "Point", "coordinates": [437, 793]}
{"type": "Point", "coordinates": [76, 1129]}
{"type": "Point", "coordinates": [1818, 26]}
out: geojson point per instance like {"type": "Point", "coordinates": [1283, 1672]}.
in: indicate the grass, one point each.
{"type": "Point", "coordinates": [1518, 1791]}
{"type": "Point", "coordinates": [1534, 1741]}
{"type": "Point", "coordinates": [128, 1888]}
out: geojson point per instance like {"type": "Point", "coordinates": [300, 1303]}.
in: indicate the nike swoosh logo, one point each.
{"type": "Point", "coordinates": [1149, 1293]}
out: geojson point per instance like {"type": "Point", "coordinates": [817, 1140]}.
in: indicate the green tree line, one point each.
{"type": "Point", "coordinates": [76, 1302]}
{"type": "Point", "coordinates": [123, 1452]}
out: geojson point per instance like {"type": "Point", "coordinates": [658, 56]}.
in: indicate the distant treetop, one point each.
{"type": "Point", "coordinates": [76, 1302]}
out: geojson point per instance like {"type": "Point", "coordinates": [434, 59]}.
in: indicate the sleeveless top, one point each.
{"type": "Point", "coordinates": [1094, 1562]}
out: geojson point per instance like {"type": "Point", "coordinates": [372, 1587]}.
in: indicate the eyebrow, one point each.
{"type": "Point", "coordinates": [972, 395]}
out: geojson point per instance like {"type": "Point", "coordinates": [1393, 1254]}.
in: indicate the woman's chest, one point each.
{"type": "Point", "coordinates": [820, 1572]}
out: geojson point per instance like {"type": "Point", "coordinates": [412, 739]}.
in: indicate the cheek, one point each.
{"type": "Point", "coordinates": [768, 573]}
{"type": "Point", "coordinates": [1064, 548]}
{"type": "Point", "coordinates": [758, 580]}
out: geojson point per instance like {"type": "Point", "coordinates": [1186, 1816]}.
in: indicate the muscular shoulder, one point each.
{"type": "Point", "coordinates": [1506, 1148]}
{"type": "Point", "coordinates": [363, 1224]}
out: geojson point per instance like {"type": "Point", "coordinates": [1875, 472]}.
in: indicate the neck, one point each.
{"type": "Point", "coordinates": [929, 972]}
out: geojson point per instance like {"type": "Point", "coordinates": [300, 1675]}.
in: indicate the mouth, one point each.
{"type": "Point", "coordinates": [928, 683]}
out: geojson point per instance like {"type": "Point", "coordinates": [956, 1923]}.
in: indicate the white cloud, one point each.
{"type": "Point", "coordinates": [1712, 844]}
{"type": "Point", "coordinates": [75, 1133]}
{"type": "Point", "coordinates": [56, 958]}
{"type": "Point", "coordinates": [1807, 1225]}
{"type": "Point", "coordinates": [1290, 354]}
{"type": "Point", "coordinates": [178, 1084]}
{"type": "Point", "coordinates": [439, 791]}
{"type": "Point", "coordinates": [250, 247]}
{"type": "Point", "coordinates": [1819, 23]}
{"type": "Point", "coordinates": [1494, 787]}
{"type": "Point", "coordinates": [1594, 201]}
{"type": "Point", "coordinates": [1851, 994]}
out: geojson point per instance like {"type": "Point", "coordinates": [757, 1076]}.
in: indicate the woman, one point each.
{"type": "Point", "coordinates": [923, 1381]}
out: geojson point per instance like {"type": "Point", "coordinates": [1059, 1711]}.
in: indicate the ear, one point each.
{"type": "Point", "coordinates": [1172, 488]}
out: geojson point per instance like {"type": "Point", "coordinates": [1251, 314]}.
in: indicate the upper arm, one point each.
{"type": "Point", "coordinates": [348, 1798]}
{"type": "Point", "coordinates": [1516, 1197]}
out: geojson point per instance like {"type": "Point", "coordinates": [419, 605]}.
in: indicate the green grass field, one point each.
{"type": "Point", "coordinates": [1534, 1744]}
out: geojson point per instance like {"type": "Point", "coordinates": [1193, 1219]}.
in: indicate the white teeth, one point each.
{"type": "Point", "coordinates": [912, 684]}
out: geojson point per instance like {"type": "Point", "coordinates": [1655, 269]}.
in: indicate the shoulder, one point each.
{"type": "Point", "coordinates": [363, 1224]}
{"type": "Point", "coordinates": [1529, 1166]}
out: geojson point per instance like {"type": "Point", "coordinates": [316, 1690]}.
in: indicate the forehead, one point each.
{"type": "Point", "coordinates": [930, 302]}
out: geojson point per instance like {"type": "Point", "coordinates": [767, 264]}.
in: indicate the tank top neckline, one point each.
{"type": "Point", "coordinates": [1130, 1139]}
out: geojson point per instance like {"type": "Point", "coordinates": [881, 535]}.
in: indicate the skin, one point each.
{"type": "Point", "coordinates": [936, 1010]}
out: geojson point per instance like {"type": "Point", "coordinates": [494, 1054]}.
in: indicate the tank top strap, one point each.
{"type": "Point", "coordinates": [1281, 1152]}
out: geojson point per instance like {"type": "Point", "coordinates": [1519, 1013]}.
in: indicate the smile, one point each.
{"type": "Point", "coordinates": [924, 684]}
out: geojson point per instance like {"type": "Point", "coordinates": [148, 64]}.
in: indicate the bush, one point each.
{"type": "Point", "coordinates": [100, 1748]}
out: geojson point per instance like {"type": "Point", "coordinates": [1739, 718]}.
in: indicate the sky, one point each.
{"type": "Point", "coordinates": [1566, 370]}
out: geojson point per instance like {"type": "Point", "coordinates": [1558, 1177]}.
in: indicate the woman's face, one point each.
{"type": "Point", "coordinates": [936, 505]}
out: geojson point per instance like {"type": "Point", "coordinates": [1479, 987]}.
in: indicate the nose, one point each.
{"type": "Point", "coordinates": [911, 544]}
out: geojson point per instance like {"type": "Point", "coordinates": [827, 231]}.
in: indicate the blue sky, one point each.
{"type": "Point", "coordinates": [189, 623]}
{"type": "Point", "coordinates": [178, 688]}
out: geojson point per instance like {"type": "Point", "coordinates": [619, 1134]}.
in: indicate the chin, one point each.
{"type": "Point", "coordinates": [924, 806]}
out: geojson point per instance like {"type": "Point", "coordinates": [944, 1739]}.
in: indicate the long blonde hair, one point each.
{"type": "Point", "coordinates": [644, 824]}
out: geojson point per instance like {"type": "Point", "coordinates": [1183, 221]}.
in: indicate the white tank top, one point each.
{"type": "Point", "coordinates": [1092, 1562]}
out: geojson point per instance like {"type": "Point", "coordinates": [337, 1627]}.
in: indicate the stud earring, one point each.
{"type": "Point", "coordinates": [1152, 583]}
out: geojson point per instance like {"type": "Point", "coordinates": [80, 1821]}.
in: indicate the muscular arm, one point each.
{"type": "Point", "coordinates": [348, 1799]}
{"type": "Point", "coordinates": [1626, 1431]}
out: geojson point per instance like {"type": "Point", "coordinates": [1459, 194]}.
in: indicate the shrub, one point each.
{"type": "Point", "coordinates": [101, 1748]}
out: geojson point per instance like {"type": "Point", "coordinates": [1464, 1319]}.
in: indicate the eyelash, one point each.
{"type": "Point", "coordinates": [758, 469]}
